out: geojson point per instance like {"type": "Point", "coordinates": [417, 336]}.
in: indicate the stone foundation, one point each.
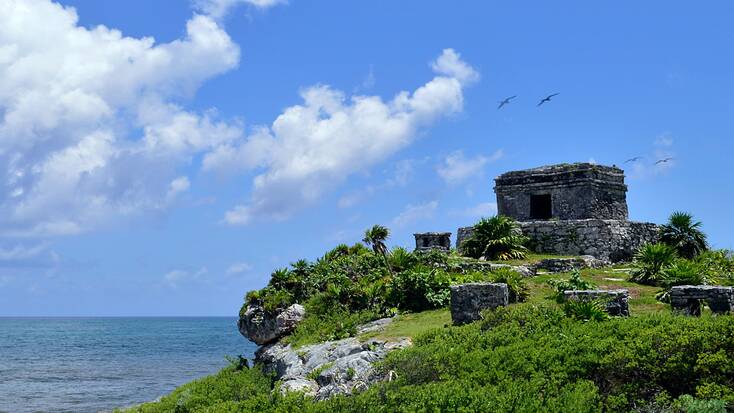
{"type": "Point", "coordinates": [617, 301]}
{"type": "Point", "coordinates": [433, 241]}
{"type": "Point", "coordinates": [686, 299]}
{"type": "Point", "coordinates": [568, 264]}
{"type": "Point", "coordinates": [607, 240]}
{"type": "Point", "coordinates": [469, 300]}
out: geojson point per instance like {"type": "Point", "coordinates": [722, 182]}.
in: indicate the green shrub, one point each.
{"type": "Point", "coordinates": [517, 287]}
{"type": "Point", "coordinates": [685, 272]}
{"type": "Point", "coordinates": [586, 310]}
{"type": "Point", "coordinates": [684, 234]}
{"type": "Point", "coordinates": [574, 282]}
{"type": "Point", "coordinates": [650, 262]}
{"type": "Point", "coordinates": [496, 238]}
{"type": "Point", "coordinates": [419, 289]}
{"type": "Point", "coordinates": [401, 259]}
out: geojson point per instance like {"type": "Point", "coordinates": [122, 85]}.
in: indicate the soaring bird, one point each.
{"type": "Point", "coordinates": [659, 161]}
{"type": "Point", "coordinates": [547, 98]}
{"type": "Point", "coordinates": [505, 101]}
{"type": "Point", "coordinates": [635, 159]}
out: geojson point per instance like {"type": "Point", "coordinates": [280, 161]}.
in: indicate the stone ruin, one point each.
{"type": "Point", "coordinates": [469, 300]}
{"type": "Point", "coordinates": [686, 299]}
{"type": "Point", "coordinates": [616, 301]}
{"type": "Point", "coordinates": [571, 209]}
{"type": "Point", "coordinates": [432, 240]}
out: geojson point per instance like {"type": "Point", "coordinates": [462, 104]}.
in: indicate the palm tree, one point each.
{"type": "Point", "coordinates": [684, 234]}
{"type": "Point", "coordinates": [375, 237]}
{"type": "Point", "coordinates": [496, 238]}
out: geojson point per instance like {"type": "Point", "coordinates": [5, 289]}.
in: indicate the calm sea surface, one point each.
{"type": "Point", "coordinates": [97, 364]}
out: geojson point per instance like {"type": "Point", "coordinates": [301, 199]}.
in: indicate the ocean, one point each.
{"type": "Point", "coordinates": [85, 365]}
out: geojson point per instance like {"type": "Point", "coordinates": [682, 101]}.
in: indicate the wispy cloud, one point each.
{"type": "Point", "coordinates": [661, 159]}
{"type": "Point", "coordinates": [484, 209]}
{"type": "Point", "coordinates": [177, 276]}
{"type": "Point", "coordinates": [403, 173]}
{"type": "Point", "coordinates": [220, 8]}
{"type": "Point", "coordinates": [414, 213]}
{"type": "Point", "coordinates": [457, 167]}
{"type": "Point", "coordinates": [238, 268]}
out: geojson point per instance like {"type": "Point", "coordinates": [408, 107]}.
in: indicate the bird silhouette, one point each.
{"type": "Point", "coordinates": [635, 159]}
{"type": "Point", "coordinates": [547, 98]}
{"type": "Point", "coordinates": [505, 101]}
{"type": "Point", "coordinates": [659, 161]}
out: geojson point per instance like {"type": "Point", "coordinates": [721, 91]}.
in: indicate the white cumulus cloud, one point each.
{"type": "Point", "coordinates": [313, 147]}
{"type": "Point", "coordinates": [92, 123]}
{"type": "Point", "coordinates": [238, 268]}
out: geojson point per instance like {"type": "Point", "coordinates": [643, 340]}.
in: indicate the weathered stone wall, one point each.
{"type": "Point", "coordinates": [617, 301]}
{"type": "Point", "coordinates": [608, 240]}
{"type": "Point", "coordinates": [686, 299]}
{"type": "Point", "coordinates": [469, 300]}
{"type": "Point", "coordinates": [578, 191]}
{"type": "Point", "coordinates": [427, 241]}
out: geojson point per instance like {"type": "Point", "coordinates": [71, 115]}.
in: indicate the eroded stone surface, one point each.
{"type": "Point", "coordinates": [334, 367]}
{"type": "Point", "coordinates": [428, 241]}
{"type": "Point", "coordinates": [469, 300]}
{"type": "Point", "coordinates": [569, 264]}
{"type": "Point", "coordinates": [263, 327]}
{"type": "Point", "coordinates": [686, 299]}
{"type": "Point", "coordinates": [617, 301]}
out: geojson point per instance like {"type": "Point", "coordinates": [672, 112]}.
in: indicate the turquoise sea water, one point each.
{"type": "Point", "coordinates": [97, 364]}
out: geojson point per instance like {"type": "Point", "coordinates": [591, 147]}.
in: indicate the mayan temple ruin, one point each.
{"type": "Point", "coordinates": [571, 209]}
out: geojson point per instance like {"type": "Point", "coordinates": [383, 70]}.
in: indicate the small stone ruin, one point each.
{"type": "Point", "coordinates": [427, 241]}
{"type": "Point", "coordinates": [686, 299]}
{"type": "Point", "coordinates": [469, 300]}
{"type": "Point", "coordinates": [568, 264]}
{"type": "Point", "coordinates": [571, 209]}
{"type": "Point", "coordinates": [616, 301]}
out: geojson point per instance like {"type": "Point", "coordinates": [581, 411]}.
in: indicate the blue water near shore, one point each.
{"type": "Point", "coordinates": [96, 364]}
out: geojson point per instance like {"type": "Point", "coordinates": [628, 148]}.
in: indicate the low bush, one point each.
{"type": "Point", "coordinates": [496, 238]}
{"type": "Point", "coordinates": [586, 310]}
{"type": "Point", "coordinates": [574, 282]}
{"type": "Point", "coordinates": [523, 358]}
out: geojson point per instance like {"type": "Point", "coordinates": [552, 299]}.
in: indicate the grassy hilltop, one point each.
{"type": "Point", "coordinates": [535, 355]}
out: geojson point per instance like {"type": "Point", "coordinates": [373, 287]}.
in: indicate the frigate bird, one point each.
{"type": "Point", "coordinates": [505, 101]}
{"type": "Point", "coordinates": [635, 159]}
{"type": "Point", "coordinates": [547, 98]}
{"type": "Point", "coordinates": [659, 161]}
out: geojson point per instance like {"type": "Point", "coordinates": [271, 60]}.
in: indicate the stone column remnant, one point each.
{"type": "Point", "coordinates": [469, 300]}
{"type": "Point", "coordinates": [427, 241]}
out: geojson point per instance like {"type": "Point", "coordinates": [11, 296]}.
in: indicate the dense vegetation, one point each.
{"type": "Point", "coordinates": [538, 356]}
{"type": "Point", "coordinates": [523, 358]}
{"type": "Point", "coordinates": [351, 285]}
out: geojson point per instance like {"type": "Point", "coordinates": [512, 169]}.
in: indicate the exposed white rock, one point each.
{"type": "Point", "coordinates": [263, 327]}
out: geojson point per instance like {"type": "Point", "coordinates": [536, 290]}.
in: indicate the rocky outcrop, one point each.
{"type": "Point", "coordinates": [469, 300]}
{"type": "Point", "coordinates": [569, 264]}
{"type": "Point", "coordinates": [263, 327]}
{"type": "Point", "coordinates": [330, 368]}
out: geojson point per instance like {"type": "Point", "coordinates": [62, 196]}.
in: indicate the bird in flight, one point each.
{"type": "Point", "coordinates": [635, 159]}
{"type": "Point", "coordinates": [659, 161]}
{"type": "Point", "coordinates": [505, 101]}
{"type": "Point", "coordinates": [547, 98]}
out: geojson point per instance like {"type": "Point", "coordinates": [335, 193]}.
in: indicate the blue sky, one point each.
{"type": "Point", "coordinates": [168, 162]}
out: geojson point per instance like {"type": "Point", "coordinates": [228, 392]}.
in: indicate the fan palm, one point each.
{"type": "Point", "coordinates": [496, 238]}
{"type": "Point", "coordinates": [650, 262]}
{"type": "Point", "coordinates": [684, 234]}
{"type": "Point", "coordinates": [375, 237]}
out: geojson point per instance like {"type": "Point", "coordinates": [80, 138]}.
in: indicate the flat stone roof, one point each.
{"type": "Point", "coordinates": [563, 174]}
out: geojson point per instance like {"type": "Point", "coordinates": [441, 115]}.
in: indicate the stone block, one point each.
{"type": "Point", "coordinates": [469, 300]}
{"type": "Point", "coordinates": [617, 301]}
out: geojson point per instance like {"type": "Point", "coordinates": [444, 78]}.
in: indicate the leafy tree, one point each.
{"type": "Point", "coordinates": [684, 234]}
{"type": "Point", "coordinates": [496, 238]}
{"type": "Point", "coordinates": [650, 262]}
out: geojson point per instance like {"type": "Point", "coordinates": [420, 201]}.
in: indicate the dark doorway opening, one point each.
{"type": "Point", "coordinates": [540, 206]}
